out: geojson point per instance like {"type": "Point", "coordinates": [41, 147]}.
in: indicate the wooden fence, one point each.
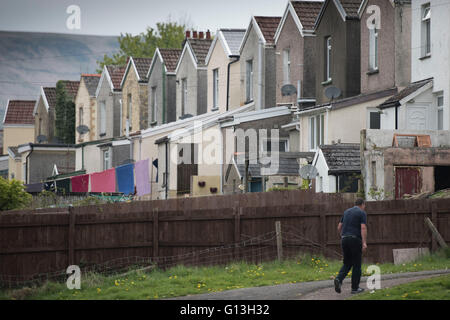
{"type": "Point", "coordinates": [207, 230]}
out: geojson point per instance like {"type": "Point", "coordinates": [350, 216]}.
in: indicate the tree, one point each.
{"type": "Point", "coordinates": [167, 35]}
{"type": "Point", "coordinates": [64, 115]}
{"type": "Point", "coordinates": [13, 195]}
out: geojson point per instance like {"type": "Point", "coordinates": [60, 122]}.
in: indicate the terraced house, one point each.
{"type": "Point", "coordinates": [86, 107]}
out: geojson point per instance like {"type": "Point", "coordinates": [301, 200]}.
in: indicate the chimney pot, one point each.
{"type": "Point", "coordinates": [194, 34]}
{"type": "Point", "coordinates": [188, 34]}
{"type": "Point", "coordinates": [201, 35]}
{"type": "Point", "coordinates": [208, 34]}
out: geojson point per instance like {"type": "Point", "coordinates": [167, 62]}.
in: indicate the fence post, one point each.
{"type": "Point", "coordinates": [71, 237]}
{"type": "Point", "coordinates": [155, 233]}
{"type": "Point", "coordinates": [279, 240]}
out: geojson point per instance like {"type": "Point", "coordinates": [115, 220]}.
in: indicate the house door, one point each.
{"type": "Point", "coordinates": [407, 181]}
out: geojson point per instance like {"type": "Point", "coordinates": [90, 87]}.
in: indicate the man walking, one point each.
{"type": "Point", "coordinates": [353, 231]}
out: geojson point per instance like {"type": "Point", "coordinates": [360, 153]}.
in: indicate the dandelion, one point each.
{"type": "Point", "coordinates": [99, 290]}
{"type": "Point", "coordinates": [405, 295]}
{"type": "Point", "coordinates": [116, 283]}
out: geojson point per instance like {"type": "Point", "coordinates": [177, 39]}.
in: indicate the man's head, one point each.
{"type": "Point", "coordinates": [360, 203]}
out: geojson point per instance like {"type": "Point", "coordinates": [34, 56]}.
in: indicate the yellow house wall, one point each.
{"type": "Point", "coordinates": [89, 105]}
{"type": "Point", "coordinates": [139, 98]}
{"type": "Point", "coordinates": [15, 136]}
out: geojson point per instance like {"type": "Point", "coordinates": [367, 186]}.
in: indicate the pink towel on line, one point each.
{"type": "Point", "coordinates": [104, 181]}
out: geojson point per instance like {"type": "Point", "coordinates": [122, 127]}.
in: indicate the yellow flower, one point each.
{"type": "Point", "coordinates": [99, 290]}
{"type": "Point", "coordinates": [116, 283]}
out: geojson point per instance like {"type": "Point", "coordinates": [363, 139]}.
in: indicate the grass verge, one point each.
{"type": "Point", "coordinates": [182, 280]}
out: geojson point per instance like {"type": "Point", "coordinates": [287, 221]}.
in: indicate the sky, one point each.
{"type": "Point", "coordinates": [107, 17]}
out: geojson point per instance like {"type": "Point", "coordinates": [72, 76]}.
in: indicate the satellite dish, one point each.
{"type": "Point", "coordinates": [41, 138]}
{"type": "Point", "coordinates": [82, 129]}
{"type": "Point", "coordinates": [333, 93]}
{"type": "Point", "coordinates": [288, 90]}
{"type": "Point", "coordinates": [308, 172]}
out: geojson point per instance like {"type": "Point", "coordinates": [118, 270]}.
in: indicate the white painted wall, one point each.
{"type": "Point", "coordinates": [324, 182]}
{"type": "Point", "coordinates": [438, 64]}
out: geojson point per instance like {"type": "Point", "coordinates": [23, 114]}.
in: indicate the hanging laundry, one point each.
{"type": "Point", "coordinates": [125, 179]}
{"type": "Point", "coordinates": [155, 163]}
{"type": "Point", "coordinates": [49, 186]}
{"type": "Point", "coordinates": [103, 181]}
{"type": "Point", "coordinates": [80, 183]}
{"type": "Point", "coordinates": [63, 186]}
{"type": "Point", "coordinates": [143, 186]}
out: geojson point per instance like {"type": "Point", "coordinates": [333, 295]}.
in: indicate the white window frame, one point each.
{"type": "Point", "coordinates": [426, 29]}
{"type": "Point", "coordinates": [216, 88]}
{"type": "Point", "coordinates": [154, 105]}
{"type": "Point", "coordinates": [129, 110]}
{"type": "Point", "coordinates": [284, 141]}
{"type": "Point", "coordinates": [102, 110]}
{"type": "Point", "coordinates": [184, 92]}
{"type": "Point", "coordinates": [328, 45]}
{"type": "Point", "coordinates": [106, 157]}
{"type": "Point", "coordinates": [440, 112]}
{"type": "Point", "coordinates": [287, 66]}
{"type": "Point", "coordinates": [249, 80]}
{"type": "Point", "coordinates": [373, 48]}
{"type": "Point", "coordinates": [316, 131]}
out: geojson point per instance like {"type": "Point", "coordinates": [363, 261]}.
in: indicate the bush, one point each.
{"type": "Point", "coordinates": [13, 195]}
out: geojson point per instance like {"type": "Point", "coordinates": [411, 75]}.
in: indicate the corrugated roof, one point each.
{"type": "Point", "coordinates": [342, 157]}
{"type": "Point", "coordinates": [20, 112]}
{"type": "Point", "coordinates": [200, 48]}
{"type": "Point", "coordinates": [307, 12]}
{"type": "Point", "coordinates": [170, 58]}
{"type": "Point", "coordinates": [268, 26]}
{"type": "Point", "coordinates": [233, 38]}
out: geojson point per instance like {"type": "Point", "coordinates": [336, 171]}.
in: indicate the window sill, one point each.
{"type": "Point", "coordinates": [154, 123]}
{"type": "Point", "coordinates": [425, 57]}
{"type": "Point", "coordinates": [248, 101]}
{"type": "Point", "coordinates": [325, 83]}
{"type": "Point", "coordinates": [102, 134]}
{"type": "Point", "coordinates": [214, 109]}
{"type": "Point", "coordinates": [372, 72]}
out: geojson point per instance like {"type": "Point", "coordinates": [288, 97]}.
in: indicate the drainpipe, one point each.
{"type": "Point", "coordinates": [164, 116]}
{"type": "Point", "coordinates": [396, 117]}
{"type": "Point", "coordinates": [167, 170]}
{"type": "Point", "coordinates": [228, 78]}
{"type": "Point", "coordinates": [26, 164]}
{"type": "Point", "coordinates": [260, 74]}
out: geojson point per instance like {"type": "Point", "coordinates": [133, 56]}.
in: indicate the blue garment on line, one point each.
{"type": "Point", "coordinates": [125, 178]}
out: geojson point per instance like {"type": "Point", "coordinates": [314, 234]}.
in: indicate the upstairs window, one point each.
{"type": "Point", "coordinates": [373, 48]}
{"type": "Point", "coordinates": [249, 80]}
{"type": "Point", "coordinates": [106, 159]}
{"type": "Point", "coordinates": [129, 111]}
{"type": "Point", "coordinates": [426, 30]}
{"type": "Point", "coordinates": [316, 131]}
{"type": "Point", "coordinates": [440, 112]}
{"type": "Point", "coordinates": [153, 105]}
{"type": "Point", "coordinates": [102, 118]}
{"type": "Point", "coordinates": [328, 48]}
{"type": "Point", "coordinates": [183, 96]}
{"type": "Point", "coordinates": [286, 66]}
{"type": "Point", "coordinates": [215, 88]}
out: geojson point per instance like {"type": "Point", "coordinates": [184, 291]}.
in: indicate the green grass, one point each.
{"type": "Point", "coordinates": [181, 280]}
{"type": "Point", "coordinates": [428, 289]}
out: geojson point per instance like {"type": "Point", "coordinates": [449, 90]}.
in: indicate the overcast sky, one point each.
{"type": "Point", "coordinates": [108, 17]}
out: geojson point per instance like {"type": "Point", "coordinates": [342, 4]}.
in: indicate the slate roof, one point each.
{"type": "Point", "coordinates": [170, 58]}
{"type": "Point", "coordinates": [50, 95]}
{"type": "Point", "coordinates": [142, 66]}
{"type": "Point", "coordinates": [91, 81]}
{"type": "Point", "coordinates": [286, 167]}
{"type": "Point", "coordinates": [116, 75]}
{"type": "Point", "coordinates": [307, 12]}
{"type": "Point", "coordinates": [395, 99]}
{"type": "Point", "coordinates": [233, 38]}
{"type": "Point", "coordinates": [71, 88]}
{"type": "Point", "coordinates": [20, 112]}
{"type": "Point", "coordinates": [342, 158]}
{"type": "Point", "coordinates": [268, 26]}
{"type": "Point", "coordinates": [200, 48]}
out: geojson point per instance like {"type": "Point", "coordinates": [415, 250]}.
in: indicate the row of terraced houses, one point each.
{"type": "Point", "coordinates": [358, 89]}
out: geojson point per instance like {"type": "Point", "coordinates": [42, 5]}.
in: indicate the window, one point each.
{"type": "Point", "coordinates": [153, 105]}
{"type": "Point", "coordinates": [440, 112]}
{"type": "Point", "coordinates": [426, 30]}
{"type": "Point", "coordinates": [249, 80]}
{"type": "Point", "coordinates": [328, 59]}
{"type": "Point", "coordinates": [80, 116]}
{"type": "Point", "coordinates": [215, 88]}
{"type": "Point", "coordinates": [317, 131]}
{"type": "Point", "coordinates": [373, 48]}
{"type": "Point", "coordinates": [40, 126]}
{"type": "Point", "coordinates": [282, 145]}
{"type": "Point", "coordinates": [374, 120]}
{"type": "Point", "coordinates": [287, 66]}
{"type": "Point", "coordinates": [102, 117]}
{"type": "Point", "coordinates": [183, 96]}
{"type": "Point", "coordinates": [106, 159]}
{"type": "Point", "coordinates": [129, 113]}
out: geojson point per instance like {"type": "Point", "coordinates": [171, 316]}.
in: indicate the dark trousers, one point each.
{"type": "Point", "coordinates": [352, 249]}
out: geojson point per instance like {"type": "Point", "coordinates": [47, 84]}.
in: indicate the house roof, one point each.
{"type": "Point", "coordinates": [91, 82]}
{"type": "Point", "coordinates": [19, 112]}
{"type": "Point", "coordinates": [170, 58]}
{"type": "Point", "coordinates": [348, 9]}
{"type": "Point", "coordinates": [116, 75]}
{"type": "Point", "coordinates": [307, 12]}
{"type": "Point", "coordinates": [142, 65]}
{"type": "Point", "coordinates": [342, 158]}
{"type": "Point", "coordinates": [233, 39]}
{"type": "Point", "coordinates": [71, 88]}
{"type": "Point", "coordinates": [50, 96]}
{"type": "Point", "coordinates": [200, 49]}
{"type": "Point", "coordinates": [395, 100]}
{"type": "Point", "coordinates": [286, 167]}
{"type": "Point", "coordinates": [268, 27]}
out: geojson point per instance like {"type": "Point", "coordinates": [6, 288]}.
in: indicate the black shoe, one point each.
{"type": "Point", "coordinates": [337, 285]}
{"type": "Point", "coordinates": [359, 290]}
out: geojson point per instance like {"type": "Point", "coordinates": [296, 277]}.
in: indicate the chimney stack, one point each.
{"type": "Point", "coordinates": [201, 35]}
{"type": "Point", "coordinates": [208, 35]}
{"type": "Point", "coordinates": [188, 34]}
{"type": "Point", "coordinates": [194, 34]}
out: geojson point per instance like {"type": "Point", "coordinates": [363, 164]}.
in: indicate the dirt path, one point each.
{"type": "Point", "coordinates": [315, 290]}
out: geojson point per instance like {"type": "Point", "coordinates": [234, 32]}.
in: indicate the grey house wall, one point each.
{"type": "Point", "coordinates": [345, 54]}
{"type": "Point", "coordinates": [120, 154]}
{"type": "Point", "coordinates": [112, 103]}
{"type": "Point", "coordinates": [171, 97]}
{"type": "Point", "coordinates": [250, 51]}
{"type": "Point", "coordinates": [156, 81]}
{"type": "Point", "coordinates": [40, 164]}
{"type": "Point", "coordinates": [202, 91]}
